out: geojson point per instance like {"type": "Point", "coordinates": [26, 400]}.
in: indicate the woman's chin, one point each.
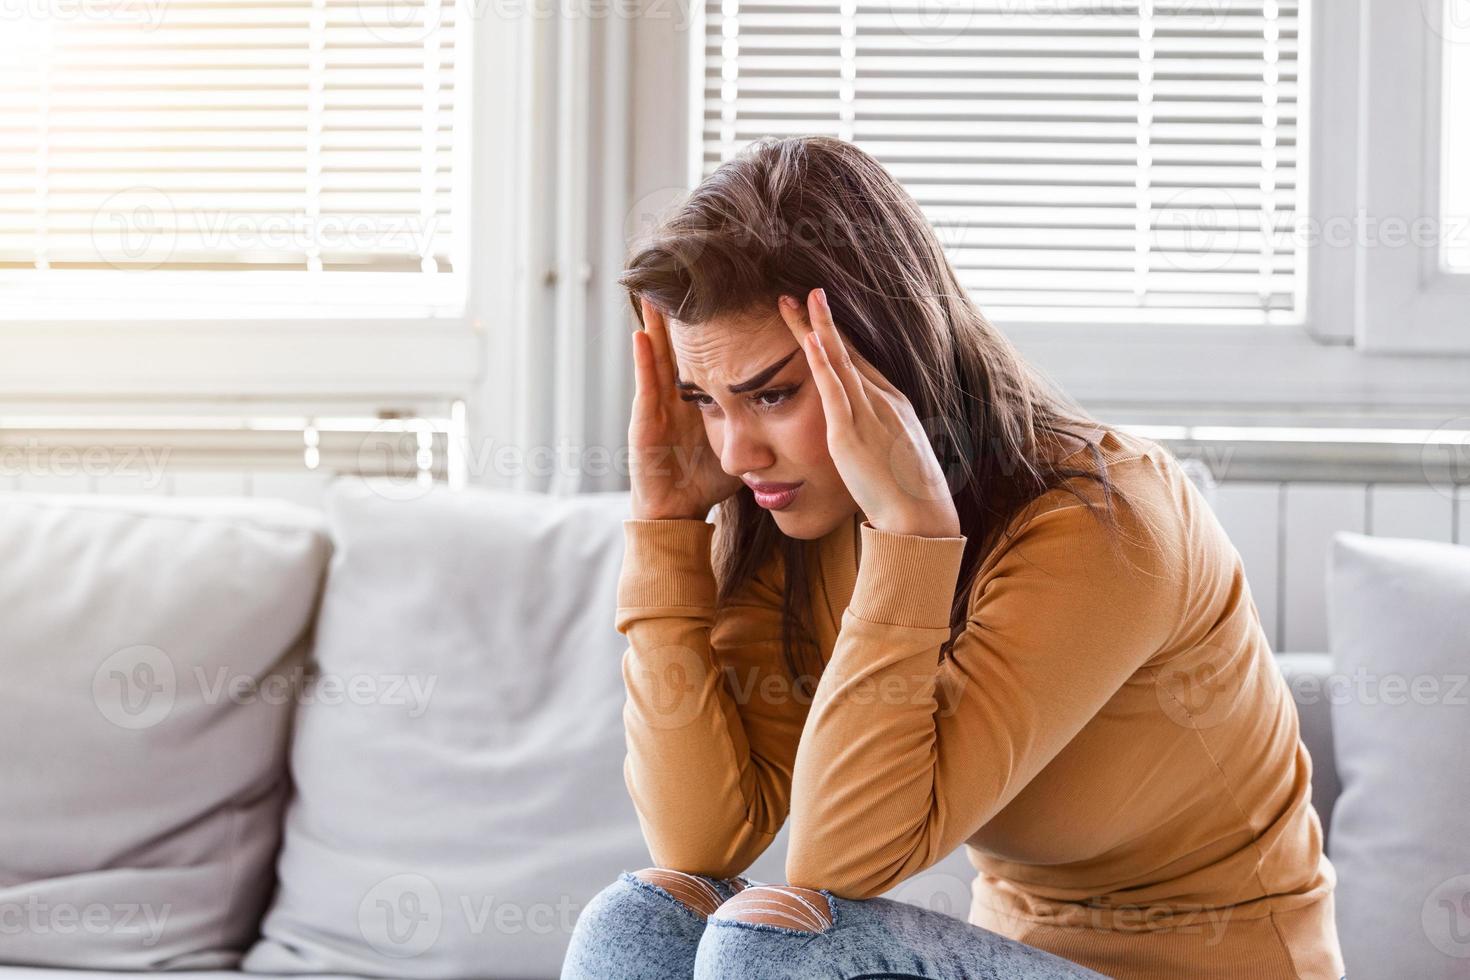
{"type": "Point", "coordinates": [805, 526]}
{"type": "Point", "coordinates": [791, 524]}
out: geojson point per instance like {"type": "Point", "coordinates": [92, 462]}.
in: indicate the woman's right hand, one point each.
{"type": "Point", "coordinates": [674, 470]}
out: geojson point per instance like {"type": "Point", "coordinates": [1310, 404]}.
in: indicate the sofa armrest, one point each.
{"type": "Point", "coordinates": [1307, 675]}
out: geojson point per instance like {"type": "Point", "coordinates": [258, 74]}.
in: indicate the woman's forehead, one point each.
{"type": "Point", "coordinates": [725, 352]}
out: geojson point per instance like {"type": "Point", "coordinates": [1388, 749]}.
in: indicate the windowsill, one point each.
{"type": "Point", "coordinates": [1412, 457]}
{"type": "Point", "coordinates": [241, 358]}
{"type": "Point", "coordinates": [1229, 369]}
{"type": "Point", "coordinates": [86, 297]}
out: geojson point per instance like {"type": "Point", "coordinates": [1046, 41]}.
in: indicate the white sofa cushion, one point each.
{"type": "Point", "coordinates": [146, 665]}
{"type": "Point", "coordinates": [1399, 628]}
{"type": "Point", "coordinates": [1313, 682]}
{"type": "Point", "coordinates": [42, 973]}
{"type": "Point", "coordinates": [458, 829]}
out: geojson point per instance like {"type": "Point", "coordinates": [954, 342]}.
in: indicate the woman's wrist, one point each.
{"type": "Point", "coordinates": [669, 516]}
{"type": "Point", "coordinates": [665, 511]}
{"type": "Point", "coordinates": [940, 523]}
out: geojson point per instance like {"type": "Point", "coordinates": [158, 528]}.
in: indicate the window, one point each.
{"type": "Point", "coordinates": [1083, 161]}
{"type": "Point", "coordinates": [276, 156]}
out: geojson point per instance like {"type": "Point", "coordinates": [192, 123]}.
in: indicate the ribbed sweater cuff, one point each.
{"type": "Point", "coordinates": [667, 563]}
{"type": "Point", "coordinates": [906, 579]}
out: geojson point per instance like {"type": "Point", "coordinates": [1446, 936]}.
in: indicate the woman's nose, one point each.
{"type": "Point", "coordinates": [743, 451]}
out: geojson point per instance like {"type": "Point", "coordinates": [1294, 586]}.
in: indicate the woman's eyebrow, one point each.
{"type": "Point", "coordinates": [750, 384]}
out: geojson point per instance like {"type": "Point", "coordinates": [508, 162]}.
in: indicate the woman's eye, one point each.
{"type": "Point", "coordinates": [772, 398]}
{"type": "Point", "coordinates": [768, 399]}
{"type": "Point", "coordinates": [775, 397]}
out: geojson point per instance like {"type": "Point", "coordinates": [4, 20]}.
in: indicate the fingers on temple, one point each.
{"type": "Point", "coordinates": [802, 909]}
{"type": "Point", "coordinates": [656, 328]}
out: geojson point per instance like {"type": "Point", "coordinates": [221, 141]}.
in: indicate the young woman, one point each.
{"type": "Point", "coordinates": [938, 605]}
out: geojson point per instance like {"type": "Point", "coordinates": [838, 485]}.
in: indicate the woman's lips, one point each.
{"type": "Point", "coordinates": [775, 496]}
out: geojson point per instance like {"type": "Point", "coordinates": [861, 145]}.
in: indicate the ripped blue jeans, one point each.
{"type": "Point", "coordinates": [638, 930]}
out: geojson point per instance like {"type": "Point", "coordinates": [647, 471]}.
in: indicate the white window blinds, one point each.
{"type": "Point", "coordinates": [1129, 161]}
{"type": "Point", "coordinates": [309, 144]}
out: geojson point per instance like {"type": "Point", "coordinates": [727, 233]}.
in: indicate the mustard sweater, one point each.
{"type": "Point", "coordinates": [1110, 737]}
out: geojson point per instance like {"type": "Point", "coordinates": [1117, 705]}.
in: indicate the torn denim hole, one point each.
{"type": "Point", "coordinates": [713, 899]}
{"type": "Point", "coordinates": [780, 902]}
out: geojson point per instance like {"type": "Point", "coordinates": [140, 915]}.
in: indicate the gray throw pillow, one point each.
{"type": "Point", "coordinates": [147, 660]}
{"type": "Point", "coordinates": [1399, 629]}
{"type": "Point", "coordinates": [453, 820]}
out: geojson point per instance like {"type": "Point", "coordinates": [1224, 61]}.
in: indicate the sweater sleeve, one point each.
{"type": "Point", "coordinates": [712, 722]}
{"type": "Point", "coordinates": [904, 758]}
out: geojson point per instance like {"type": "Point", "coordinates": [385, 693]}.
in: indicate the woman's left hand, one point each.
{"type": "Point", "coordinates": [873, 434]}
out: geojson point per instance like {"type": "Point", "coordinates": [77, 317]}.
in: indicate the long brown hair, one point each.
{"type": "Point", "coordinates": [788, 215]}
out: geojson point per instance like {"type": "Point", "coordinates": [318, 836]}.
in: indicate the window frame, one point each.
{"type": "Point", "coordinates": [1410, 302]}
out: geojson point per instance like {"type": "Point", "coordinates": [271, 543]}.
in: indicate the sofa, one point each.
{"type": "Point", "coordinates": [385, 739]}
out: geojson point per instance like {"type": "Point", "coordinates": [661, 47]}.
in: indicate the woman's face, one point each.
{"type": "Point", "coordinates": [770, 428]}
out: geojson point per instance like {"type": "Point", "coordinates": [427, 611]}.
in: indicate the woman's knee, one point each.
{"type": "Point", "coordinates": [636, 899]}
{"type": "Point", "coordinates": [776, 932]}
{"type": "Point", "coordinates": [645, 924]}
{"type": "Point", "coordinates": [697, 893]}
{"type": "Point", "coordinates": [779, 907]}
